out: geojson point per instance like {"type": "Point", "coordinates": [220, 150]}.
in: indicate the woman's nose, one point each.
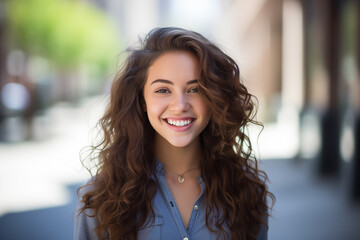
{"type": "Point", "coordinates": [179, 103]}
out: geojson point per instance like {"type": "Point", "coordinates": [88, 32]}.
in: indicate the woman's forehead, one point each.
{"type": "Point", "coordinates": [174, 65]}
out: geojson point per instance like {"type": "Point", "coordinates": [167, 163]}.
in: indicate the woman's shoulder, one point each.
{"type": "Point", "coordinates": [85, 222]}
{"type": "Point", "coordinates": [88, 186]}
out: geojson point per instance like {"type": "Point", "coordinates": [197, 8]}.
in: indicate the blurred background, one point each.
{"type": "Point", "coordinates": [300, 58]}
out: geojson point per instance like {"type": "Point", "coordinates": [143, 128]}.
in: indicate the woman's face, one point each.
{"type": "Point", "coordinates": [174, 106]}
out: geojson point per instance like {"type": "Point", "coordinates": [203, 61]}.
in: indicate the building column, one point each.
{"type": "Point", "coordinates": [356, 158]}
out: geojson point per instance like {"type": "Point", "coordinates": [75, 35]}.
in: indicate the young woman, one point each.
{"type": "Point", "coordinates": [174, 161]}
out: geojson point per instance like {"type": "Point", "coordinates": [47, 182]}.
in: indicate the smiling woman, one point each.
{"type": "Point", "coordinates": [174, 161]}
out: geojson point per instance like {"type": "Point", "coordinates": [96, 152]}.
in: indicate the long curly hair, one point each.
{"type": "Point", "coordinates": [123, 187]}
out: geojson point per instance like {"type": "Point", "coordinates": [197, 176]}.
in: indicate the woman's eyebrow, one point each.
{"type": "Point", "coordinates": [171, 83]}
{"type": "Point", "coordinates": [162, 81]}
{"type": "Point", "coordinates": [192, 82]}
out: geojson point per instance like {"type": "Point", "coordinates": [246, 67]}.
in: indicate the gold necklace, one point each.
{"type": "Point", "coordinates": [181, 178]}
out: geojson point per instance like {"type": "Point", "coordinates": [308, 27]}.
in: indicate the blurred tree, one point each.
{"type": "Point", "coordinates": [68, 33]}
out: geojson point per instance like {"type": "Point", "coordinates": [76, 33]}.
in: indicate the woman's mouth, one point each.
{"type": "Point", "coordinates": [179, 123]}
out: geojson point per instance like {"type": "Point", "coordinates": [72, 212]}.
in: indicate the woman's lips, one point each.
{"type": "Point", "coordinates": [179, 125]}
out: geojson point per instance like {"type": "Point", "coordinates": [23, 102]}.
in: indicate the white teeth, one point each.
{"type": "Point", "coordinates": [179, 123]}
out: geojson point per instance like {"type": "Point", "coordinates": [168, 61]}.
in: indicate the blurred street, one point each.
{"type": "Point", "coordinates": [35, 174]}
{"type": "Point", "coordinates": [300, 58]}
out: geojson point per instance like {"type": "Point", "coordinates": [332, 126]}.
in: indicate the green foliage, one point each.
{"type": "Point", "coordinates": [67, 32]}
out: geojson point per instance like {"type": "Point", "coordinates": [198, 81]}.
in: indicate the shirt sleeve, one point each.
{"type": "Point", "coordinates": [263, 234]}
{"type": "Point", "coordinates": [84, 226]}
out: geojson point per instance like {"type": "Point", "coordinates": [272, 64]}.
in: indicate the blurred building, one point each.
{"type": "Point", "coordinates": [301, 59]}
{"type": "Point", "coordinates": [332, 85]}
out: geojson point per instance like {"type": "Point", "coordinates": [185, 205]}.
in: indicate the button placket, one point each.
{"type": "Point", "coordinates": [196, 208]}
{"type": "Point", "coordinates": [173, 209]}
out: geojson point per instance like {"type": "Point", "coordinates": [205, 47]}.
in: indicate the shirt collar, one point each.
{"type": "Point", "coordinates": [159, 168]}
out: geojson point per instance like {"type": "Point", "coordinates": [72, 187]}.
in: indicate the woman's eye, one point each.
{"type": "Point", "coordinates": [194, 90]}
{"type": "Point", "coordinates": [162, 90]}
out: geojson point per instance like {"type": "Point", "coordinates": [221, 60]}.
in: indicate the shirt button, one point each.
{"type": "Point", "coordinates": [196, 207]}
{"type": "Point", "coordinates": [185, 238]}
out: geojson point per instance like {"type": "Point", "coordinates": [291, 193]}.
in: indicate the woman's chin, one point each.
{"type": "Point", "coordinates": [180, 143]}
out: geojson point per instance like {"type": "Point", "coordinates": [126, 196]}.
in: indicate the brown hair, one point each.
{"type": "Point", "coordinates": [123, 188]}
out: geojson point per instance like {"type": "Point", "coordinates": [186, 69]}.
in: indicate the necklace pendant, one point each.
{"type": "Point", "coordinates": [181, 179]}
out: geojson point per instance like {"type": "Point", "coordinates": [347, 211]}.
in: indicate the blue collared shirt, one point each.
{"type": "Point", "coordinates": [167, 222]}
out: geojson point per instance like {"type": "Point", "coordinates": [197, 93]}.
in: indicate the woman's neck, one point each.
{"type": "Point", "coordinates": [178, 159]}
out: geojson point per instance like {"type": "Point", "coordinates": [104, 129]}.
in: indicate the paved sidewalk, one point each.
{"type": "Point", "coordinates": [309, 207]}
